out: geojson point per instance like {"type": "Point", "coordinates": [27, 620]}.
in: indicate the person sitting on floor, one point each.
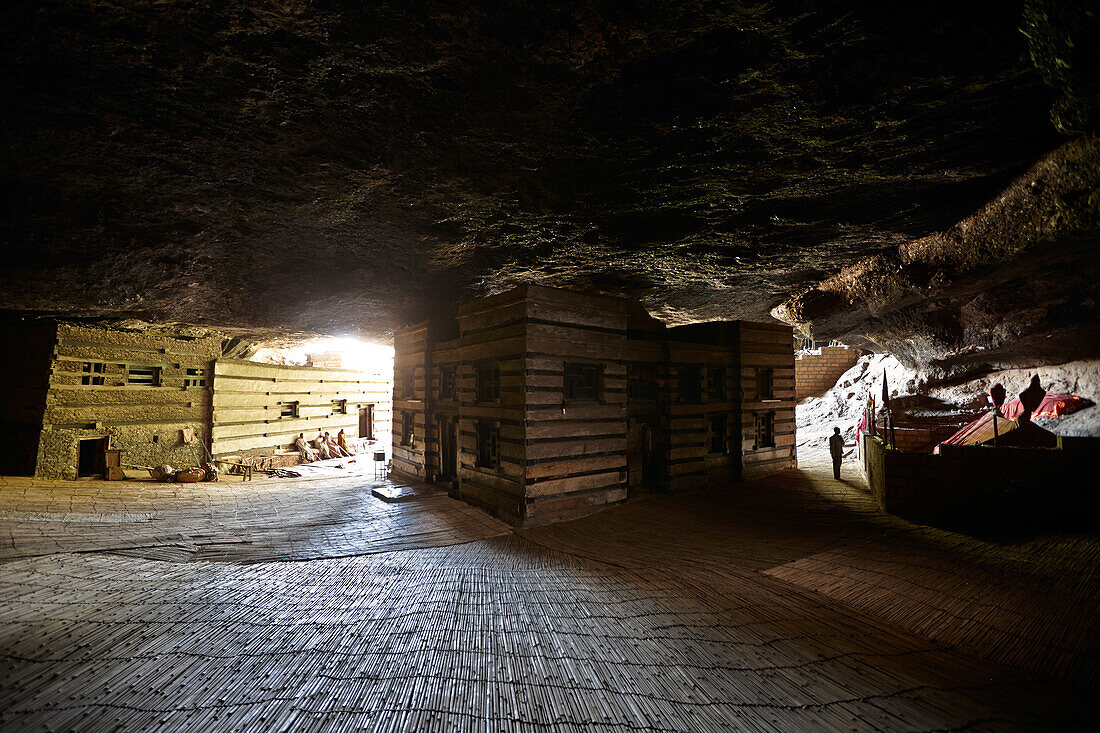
{"type": "Point", "coordinates": [322, 446]}
{"type": "Point", "coordinates": [308, 454]}
{"type": "Point", "coordinates": [342, 441]}
{"type": "Point", "coordinates": [333, 448]}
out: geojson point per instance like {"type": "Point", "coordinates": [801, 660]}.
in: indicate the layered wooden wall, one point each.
{"type": "Point", "coordinates": [92, 395]}
{"type": "Point", "coordinates": [701, 353]}
{"type": "Point", "coordinates": [645, 357]}
{"type": "Point", "coordinates": [767, 346]}
{"type": "Point", "coordinates": [492, 336]}
{"type": "Point", "coordinates": [249, 399]}
{"type": "Point", "coordinates": [410, 354]}
{"type": "Point", "coordinates": [442, 412]}
{"type": "Point", "coordinates": [576, 449]}
{"type": "Point", "coordinates": [562, 455]}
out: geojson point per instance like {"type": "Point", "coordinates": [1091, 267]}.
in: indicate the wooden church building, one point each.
{"type": "Point", "coordinates": [543, 405]}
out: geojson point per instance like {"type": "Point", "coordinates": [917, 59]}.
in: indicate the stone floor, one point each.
{"type": "Point", "coordinates": [788, 603]}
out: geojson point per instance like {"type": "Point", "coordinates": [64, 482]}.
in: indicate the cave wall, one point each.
{"type": "Point", "coordinates": [1015, 284]}
{"type": "Point", "coordinates": [24, 383]}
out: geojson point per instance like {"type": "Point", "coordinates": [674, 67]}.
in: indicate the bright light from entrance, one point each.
{"type": "Point", "coordinates": [351, 352]}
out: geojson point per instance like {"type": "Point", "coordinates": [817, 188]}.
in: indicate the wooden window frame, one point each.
{"type": "Point", "coordinates": [712, 434]}
{"type": "Point", "coordinates": [765, 383]}
{"type": "Point", "coordinates": [716, 384]}
{"type": "Point", "coordinates": [585, 384]}
{"type": "Point", "coordinates": [92, 373]}
{"type": "Point", "coordinates": [448, 382]}
{"type": "Point", "coordinates": [688, 384]}
{"type": "Point", "coordinates": [641, 381]}
{"type": "Point", "coordinates": [155, 374]}
{"type": "Point", "coordinates": [339, 407]}
{"type": "Point", "coordinates": [408, 428]}
{"type": "Point", "coordinates": [408, 383]}
{"type": "Point", "coordinates": [194, 378]}
{"type": "Point", "coordinates": [289, 410]}
{"type": "Point", "coordinates": [763, 430]}
{"type": "Point", "coordinates": [487, 381]}
{"type": "Point", "coordinates": [488, 445]}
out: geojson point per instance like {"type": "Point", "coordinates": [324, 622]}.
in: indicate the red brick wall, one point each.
{"type": "Point", "coordinates": [814, 374]}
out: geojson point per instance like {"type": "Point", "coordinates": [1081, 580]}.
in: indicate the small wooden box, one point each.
{"type": "Point", "coordinates": [114, 473]}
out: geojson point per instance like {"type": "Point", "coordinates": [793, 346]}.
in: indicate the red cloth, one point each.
{"type": "Point", "coordinates": [1053, 405]}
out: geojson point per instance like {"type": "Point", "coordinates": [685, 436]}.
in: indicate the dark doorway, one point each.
{"type": "Point", "coordinates": [448, 449]}
{"type": "Point", "coordinates": [366, 422]}
{"type": "Point", "coordinates": [643, 467]}
{"type": "Point", "coordinates": [93, 458]}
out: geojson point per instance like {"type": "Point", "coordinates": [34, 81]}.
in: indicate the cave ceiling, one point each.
{"type": "Point", "coordinates": [348, 167]}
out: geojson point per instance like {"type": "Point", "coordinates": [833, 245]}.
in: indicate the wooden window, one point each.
{"type": "Point", "coordinates": [765, 383]}
{"type": "Point", "coordinates": [194, 378]}
{"type": "Point", "coordinates": [447, 382]}
{"type": "Point", "coordinates": [407, 387]}
{"type": "Point", "coordinates": [91, 372]}
{"type": "Point", "coordinates": [716, 384]}
{"type": "Point", "coordinates": [488, 382]}
{"type": "Point", "coordinates": [339, 407]}
{"type": "Point", "coordinates": [582, 382]}
{"type": "Point", "coordinates": [641, 382]}
{"type": "Point", "coordinates": [716, 438]}
{"type": "Point", "coordinates": [764, 423]}
{"type": "Point", "coordinates": [288, 409]}
{"type": "Point", "coordinates": [406, 428]}
{"type": "Point", "coordinates": [488, 445]}
{"type": "Point", "coordinates": [689, 383]}
{"type": "Point", "coordinates": [143, 376]}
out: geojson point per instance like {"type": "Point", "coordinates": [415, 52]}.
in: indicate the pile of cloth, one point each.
{"type": "Point", "coordinates": [166, 474]}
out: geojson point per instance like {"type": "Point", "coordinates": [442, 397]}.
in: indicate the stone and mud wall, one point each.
{"type": "Point", "coordinates": [137, 390]}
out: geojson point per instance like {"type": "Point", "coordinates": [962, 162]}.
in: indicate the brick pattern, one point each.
{"type": "Point", "coordinates": [814, 374]}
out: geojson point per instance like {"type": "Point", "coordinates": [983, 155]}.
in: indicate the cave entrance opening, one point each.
{"type": "Point", "coordinates": [92, 458]}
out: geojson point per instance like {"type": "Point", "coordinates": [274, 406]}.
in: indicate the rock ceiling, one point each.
{"type": "Point", "coordinates": [350, 167]}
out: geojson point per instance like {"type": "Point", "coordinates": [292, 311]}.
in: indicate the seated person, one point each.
{"type": "Point", "coordinates": [342, 441]}
{"type": "Point", "coordinates": [322, 446]}
{"type": "Point", "coordinates": [308, 454]}
{"type": "Point", "coordinates": [333, 448]}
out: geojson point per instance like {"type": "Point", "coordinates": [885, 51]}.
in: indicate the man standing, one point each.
{"type": "Point", "coordinates": [836, 450]}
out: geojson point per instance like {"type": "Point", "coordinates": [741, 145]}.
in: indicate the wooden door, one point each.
{"type": "Point", "coordinates": [366, 422]}
{"type": "Point", "coordinates": [641, 456]}
{"type": "Point", "coordinates": [448, 448]}
{"type": "Point", "coordinates": [93, 458]}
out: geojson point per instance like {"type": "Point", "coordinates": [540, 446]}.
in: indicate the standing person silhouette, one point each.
{"type": "Point", "coordinates": [836, 450]}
